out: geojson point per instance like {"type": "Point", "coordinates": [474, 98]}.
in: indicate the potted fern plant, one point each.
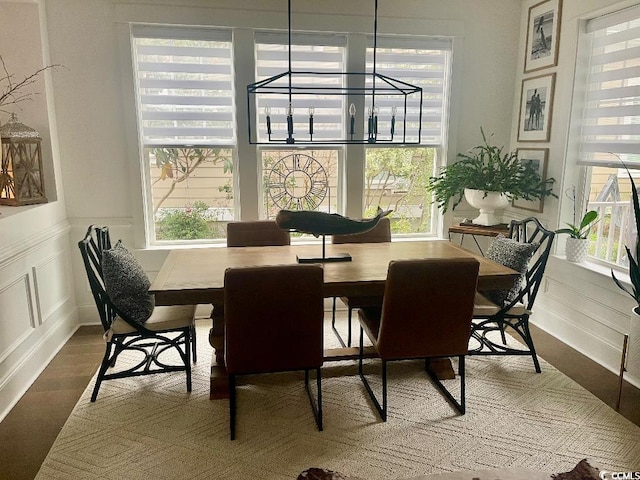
{"type": "Point", "coordinates": [485, 172]}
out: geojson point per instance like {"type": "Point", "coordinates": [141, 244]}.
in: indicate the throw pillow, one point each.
{"type": "Point", "coordinates": [516, 256]}
{"type": "Point", "coordinates": [126, 283]}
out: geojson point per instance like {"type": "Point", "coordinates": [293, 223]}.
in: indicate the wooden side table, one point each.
{"type": "Point", "coordinates": [471, 229]}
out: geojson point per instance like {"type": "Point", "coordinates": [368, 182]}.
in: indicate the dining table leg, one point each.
{"type": "Point", "coordinates": [219, 381]}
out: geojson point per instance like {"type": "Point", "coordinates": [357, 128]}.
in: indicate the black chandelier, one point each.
{"type": "Point", "coordinates": [393, 115]}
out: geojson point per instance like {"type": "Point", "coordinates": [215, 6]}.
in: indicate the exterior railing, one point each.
{"type": "Point", "coordinates": [611, 232]}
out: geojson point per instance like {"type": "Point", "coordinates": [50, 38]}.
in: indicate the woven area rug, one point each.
{"type": "Point", "coordinates": [150, 428]}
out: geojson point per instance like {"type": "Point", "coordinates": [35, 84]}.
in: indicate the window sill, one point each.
{"type": "Point", "coordinates": [598, 269]}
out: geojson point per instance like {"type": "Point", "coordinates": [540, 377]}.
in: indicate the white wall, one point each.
{"type": "Point", "coordinates": [580, 303]}
{"type": "Point", "coordinates": [37, 301]}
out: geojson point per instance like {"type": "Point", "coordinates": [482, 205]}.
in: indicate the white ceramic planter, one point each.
{"type": "Point", "coordinates": [576, 249]}
{"type": "Point", "coordinates": [487, 205]}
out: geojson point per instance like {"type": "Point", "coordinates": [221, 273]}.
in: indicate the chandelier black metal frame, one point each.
{"type": "Point", "coordinates": [353, 85]}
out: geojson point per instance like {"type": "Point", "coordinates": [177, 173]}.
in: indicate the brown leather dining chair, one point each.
{"type": "Point", "coordinates": [274, 323]}
{"type": "Point", "coordinates": [258, 233]}
{"type": "Point", "coordinates": [379, 234]}
{"type": "Point", "coordinates": [426, 313]}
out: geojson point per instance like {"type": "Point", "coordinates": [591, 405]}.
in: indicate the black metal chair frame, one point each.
{"type": "Point", "coordinates": [333, 325]}
{"type": "Point", "coordinates": [316, 405]}
{"type": "Point", "coordinates": [382, 407]}
{"type": "Point", "coordinates": [529, 230]}
{"type": "Point", "coordinates": [150, 343]}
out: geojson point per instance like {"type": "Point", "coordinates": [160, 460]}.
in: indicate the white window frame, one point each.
{"type": "Point", "coordinates": [247, 158]}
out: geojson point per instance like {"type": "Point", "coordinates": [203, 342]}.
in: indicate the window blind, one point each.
{"type": "Point", "coordinates": [425, 64]}
{"type": "Point", "coordinates": [185, 85]}
{"type": "Point", "coordinates": [611, 116]}
{"type": "Point", "coordinates": [309, 53]}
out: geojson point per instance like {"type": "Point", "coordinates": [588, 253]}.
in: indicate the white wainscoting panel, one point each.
{"type": "Point", "coordinates": [38, 311]}
{"type": "Point", "coordinates": [52, 285]}
{"type": "Point", "coordinates": [584, 309]}
{"type": "Point", "coordinates": [16, 314]}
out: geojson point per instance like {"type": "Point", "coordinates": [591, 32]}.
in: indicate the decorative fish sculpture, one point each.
{"type": "Point", "coordinates": [320, 223]}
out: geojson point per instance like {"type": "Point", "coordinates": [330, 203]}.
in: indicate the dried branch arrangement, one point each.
{"type": "Point", "coordinates": [12, 91]}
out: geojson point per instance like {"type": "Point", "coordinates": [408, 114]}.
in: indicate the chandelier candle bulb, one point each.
{"type": "Point", "coordinates": [290, 124]}
{"type": "Point", "coordinates": [375, 121]}
{"type": "Point", "coordinates": [394, 110]}
{"type": "Point", "coordinates": [352, 120]}
{"type": "Point", "coordinates": [267, 112]}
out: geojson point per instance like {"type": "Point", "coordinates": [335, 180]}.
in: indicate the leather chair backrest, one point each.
{"type": "Point", "coordinates": [273, 318]}
{"type": "Point", "coordinates": [379, 234]}
{"type": "Point", "coordinates": [259, 233]}
{"type": "Point", "coordinates": [427, 308]}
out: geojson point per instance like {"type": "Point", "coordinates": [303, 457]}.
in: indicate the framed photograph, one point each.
{"type": "Point", "coordinates": [537, 157]}
{"type": "Point", "coordinates": [543, 35]}
{"type": "Point", "coordinates": [536, 100]}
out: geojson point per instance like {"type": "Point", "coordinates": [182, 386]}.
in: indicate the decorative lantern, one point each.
{"type": "Point", "coordinates": [21, 176]}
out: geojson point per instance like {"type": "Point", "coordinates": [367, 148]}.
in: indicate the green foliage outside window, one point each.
{"type": "Point", "coordinates": [188, 224]}
{"type": "Point", "coordinates": [396, 179]}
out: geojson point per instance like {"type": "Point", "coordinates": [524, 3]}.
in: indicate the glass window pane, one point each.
{"type": "Point", "coordinates": [191, 191]}
{"type": "Point", "coordinates": [396, 179]}
{"type": "Point", "coordinates": [610, 196]}
{"type": "Point", "coordinates": [327, 109]}
{"type": "Point", "coordinates": [299, 180]}
{"type": "Point", "coordinates": [423, 67]}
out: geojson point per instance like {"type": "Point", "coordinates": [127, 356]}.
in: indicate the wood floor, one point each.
{"type": "Point", "coordinates": [27, 433]}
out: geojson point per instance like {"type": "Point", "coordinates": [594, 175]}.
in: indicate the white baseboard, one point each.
{"type": "Point", "coordinates": [21, 375]}
{"type": "Point", "coordinates": [582, 341]}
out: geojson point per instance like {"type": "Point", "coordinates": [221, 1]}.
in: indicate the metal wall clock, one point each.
{"type": "Point", "coordinates": [297, 182]}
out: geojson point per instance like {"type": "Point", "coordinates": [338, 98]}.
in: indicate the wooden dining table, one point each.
{"type": "Point", "coordinates": [196, 276]}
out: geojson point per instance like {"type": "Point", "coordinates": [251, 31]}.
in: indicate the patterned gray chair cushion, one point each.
{"type": "Point", "coordinates": [127, 284]}
{"type": "Point", "coordinates": [516, 256]}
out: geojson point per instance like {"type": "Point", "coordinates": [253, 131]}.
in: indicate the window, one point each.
{"type": "Point", "coordinates": [301, 179]}
{"type": "Point", "coordinates": [186, 86]}
{"type": "Point", "coordinates": [610, 128]}
{"type": "Point", "coordinates": [396, 178]}
{"type": "Point", "coordinates": [186, 117]}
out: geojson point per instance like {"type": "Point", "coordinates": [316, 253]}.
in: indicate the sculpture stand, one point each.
{"type": "Point", "coordinates": [337, 257]}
